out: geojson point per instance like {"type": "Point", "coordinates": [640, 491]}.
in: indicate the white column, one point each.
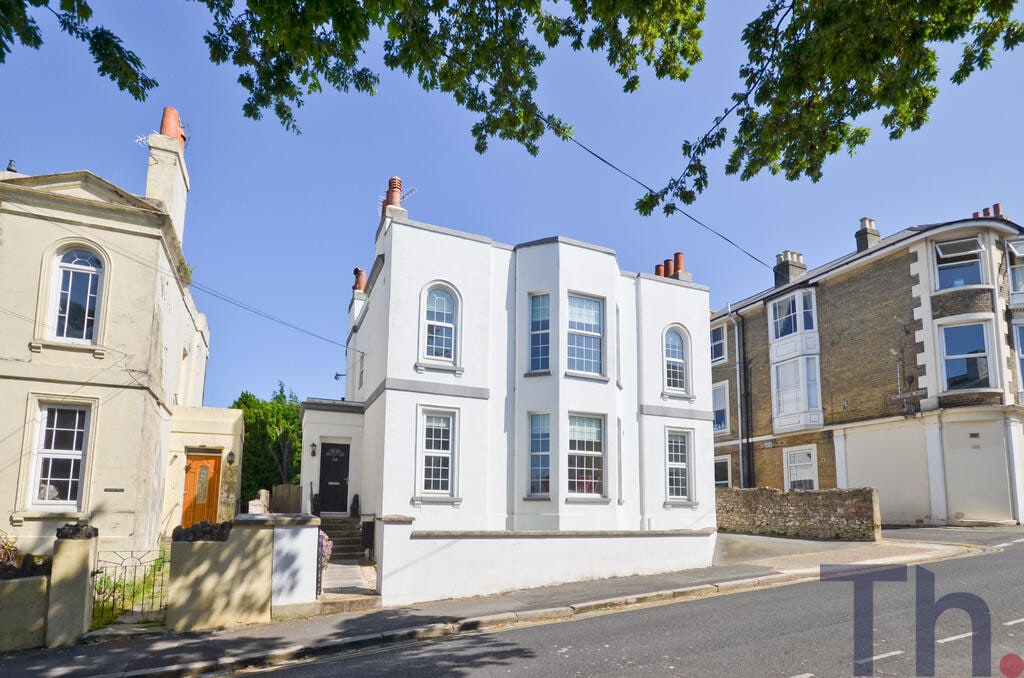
{"type": "Point", "coordinates": [1013, 452]}
{"type": "Point", "coordinates": [936, 470]}
{"type": "Point", "coordinates": [839, 443]}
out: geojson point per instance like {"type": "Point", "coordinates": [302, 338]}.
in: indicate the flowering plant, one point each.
{"type": "Point", "coordinates": [326, 547]}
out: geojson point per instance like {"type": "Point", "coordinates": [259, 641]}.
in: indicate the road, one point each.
{"type": "Point", "coordinates": [798, 630]}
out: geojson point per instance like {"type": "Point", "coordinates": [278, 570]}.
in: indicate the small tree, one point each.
{"type": "Point", "coordinates": [273, 440]}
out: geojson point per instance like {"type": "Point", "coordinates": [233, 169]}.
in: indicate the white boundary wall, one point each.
{"type": "Point", "coordinates": [421, 566]}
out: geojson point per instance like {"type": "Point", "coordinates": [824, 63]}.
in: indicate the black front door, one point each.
{"type": "Point", "coordinates": [334, 478]}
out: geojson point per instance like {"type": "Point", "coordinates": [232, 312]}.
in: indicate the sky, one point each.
{"type": "Point", "coordinates": [278, 220]}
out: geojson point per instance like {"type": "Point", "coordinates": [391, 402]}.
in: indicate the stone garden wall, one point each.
{"type": "Point", "coordinates": [848, 515]}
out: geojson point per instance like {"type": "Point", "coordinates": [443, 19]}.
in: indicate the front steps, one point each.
{"type": "Point", "coordinates": [346, 533]}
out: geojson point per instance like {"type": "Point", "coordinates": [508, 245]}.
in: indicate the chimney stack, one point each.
{"type": "Point", "coordinates": [393, 197]}
{"type": "Point", "coordinates": [167, 178]}
{"type": "Point", "coordinates": [868, 235]}
{"type": "Point", "coordinates": [788, 267]}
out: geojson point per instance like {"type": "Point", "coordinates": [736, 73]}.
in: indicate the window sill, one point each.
{"type": "Point", "coordinates": [537, 497]}
{"type": "Point", "coordinates": [422, 367]}
{"type": "Point", "coordinates": [420, 500]}
{"type": "Point", "coordinates": [537, 373]}
{"type": "Point", "coordinates": [587, 375]}
{"type": "Point", "coordinates": [719, 361]}
{"type": "Point", "coordinates": [19, 517]}
{"type": "Point", "coordinates": [678, 395]}
{"type": "Point", "coordinates": [588, 500]}
{"type": "Point", "coordinates": [956, 391]}
{"type": "Point", "coordinates": [978, 286]}
{"type": "Point", "coordinates": [680, 503]}
{"type": "Point", "coordinates": [37, 346]}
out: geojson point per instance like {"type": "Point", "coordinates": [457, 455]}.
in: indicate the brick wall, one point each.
{"type": "Point", "coordinates": [858, 333]}
{"type": "Point", "coordinates": [850, 515]}
{"type": "Point", "coordinates": [956, 302]}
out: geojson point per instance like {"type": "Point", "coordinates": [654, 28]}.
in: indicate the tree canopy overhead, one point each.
{"type": "Point", "coordinates": [813, 66]}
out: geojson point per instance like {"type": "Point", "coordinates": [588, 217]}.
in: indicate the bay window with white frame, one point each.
{"type": "Point", "coordinates": [586, 455]}
{"type": "Point", "coordinates": [792, 314]}
{"type": "Point", "coordinates": [959, 263]}
{"type": "Point", "coordinates": [965, 356]}
{"type": "Point", "coordinates": [796, 388]}
{"type": "Point", "coordinates": [1015, 249]}
{"type": "Point", "coordinates": [585, 341]}
{"type": "Point", "coordinates": [1018, 340]}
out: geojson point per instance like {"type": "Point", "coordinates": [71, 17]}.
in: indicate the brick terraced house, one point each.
{"type": "Point", "coordinates": [898, 366]}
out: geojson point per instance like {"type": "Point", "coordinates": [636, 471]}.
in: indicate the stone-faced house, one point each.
{"type": "Point", "coordinates": [517, 415]}
{"type": "Point", "coordinates": [103, 360]}
{"type": "Point", "coordinates": [897, 366]}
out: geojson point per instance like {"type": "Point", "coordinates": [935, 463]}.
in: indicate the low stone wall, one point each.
{"type": "Point", "coordinates": [23, 605]}
{"type": "Point", "coordinates": [848, 515]}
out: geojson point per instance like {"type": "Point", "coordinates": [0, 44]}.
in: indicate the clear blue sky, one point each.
{"type": "Point", "coordinates": [279, 221]}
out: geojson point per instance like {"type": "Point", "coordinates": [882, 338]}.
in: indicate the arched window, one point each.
{"type": "Point", "coordinates": [440, 325]}
{"type": "Point", "coordinates": [675, 361]}
{"type": "Point", "coordinates": [79, 274]}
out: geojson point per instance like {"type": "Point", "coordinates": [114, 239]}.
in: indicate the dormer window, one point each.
{"type": "Point", "coordinates": [793, 314]}
{"type": "Point", "coordinates": [958, 263]}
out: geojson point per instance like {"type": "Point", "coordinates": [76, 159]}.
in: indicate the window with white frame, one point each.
{"type": "Point", "coordinates": [792, 314]}
{"type": "Point", "coordinates": [796, 386]}
{"type": "Point", "coordinates": [1018, 335]}
{"type": "Point", "coordinates": [586, 455]}
{"type": "Point", "coordinates": [540, 332]}
{"type": "Point", "coordinates": [60, 455]}
{"type": "Point", "coordinates": [79, 274]}
{"type": "Point", "coordinates": [965, 356]}
{"type": "Point", "coordinates": [440, 325]}
{"type": "Point", "coordinates": [802, 468]}
{"type": "Point", "coordinates": [675, 361]}
{"type": "Point", "coordinates": [540, 454]}
{"type": "Point", "coordinates": [723, 471]}
{"type": "Point", "coordinates": [717, 344]}
{"type": "Point", "coordinates": [720, 406]}
{"type": "Point", "coordinates": [958, 263]}
{"type": "Point", "coordinates": [586, 330]}
{"type": "Point", "coordinates": [438, 452]}
{"type": "Point", "coordinates": [677, 459]}
{"type": "Point", "coordinates": [1016, 248]}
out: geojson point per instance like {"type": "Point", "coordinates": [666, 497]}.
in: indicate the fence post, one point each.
{"type": "Point", "coordinates": [69, 610]}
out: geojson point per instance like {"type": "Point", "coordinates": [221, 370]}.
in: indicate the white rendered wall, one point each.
{"type": "Point", "coordinates": [295, 562]}
{"type": "Point", "coordinates": [418, 570]}
{"type": "Point", "coordinates": [891, 458]}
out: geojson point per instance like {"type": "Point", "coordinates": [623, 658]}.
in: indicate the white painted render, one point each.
{"type": "Point", "coordinates": [490, 393]}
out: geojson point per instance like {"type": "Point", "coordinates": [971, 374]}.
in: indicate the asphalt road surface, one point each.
{"type": "Point", "coordinates": [798, 630]}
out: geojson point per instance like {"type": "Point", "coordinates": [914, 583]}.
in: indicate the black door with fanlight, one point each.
{"type": "Point", "coordinates": [334, 478]}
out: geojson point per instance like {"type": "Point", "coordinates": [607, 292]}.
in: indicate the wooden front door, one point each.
{"type": "Point", "coordinates": [202, 489]}
{"type": "Point", "coordinates": [334, 478]}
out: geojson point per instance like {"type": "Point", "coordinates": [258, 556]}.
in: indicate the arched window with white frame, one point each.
{"type": "Point", "coordinates": [440, 325]}
{"type": "Point", "coordinates": [675, 361]}
{"type": "Point", "coordinates": [79, 284]}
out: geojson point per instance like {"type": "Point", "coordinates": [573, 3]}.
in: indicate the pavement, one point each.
{"type": "Point", "coordinates": [741, 563]}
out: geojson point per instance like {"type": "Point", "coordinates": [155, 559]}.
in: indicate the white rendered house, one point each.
{"type": "Point", "coordinates": [518, 415]}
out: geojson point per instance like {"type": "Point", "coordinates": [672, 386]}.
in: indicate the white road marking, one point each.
{"type": "Point", "coordinates": [1004, 545]}
{"type": "Point", "coordinates": [1015, 621]}
{"type": "Point", "coordinates": [958, 637]}
{"type": "Point", "coordinates": [804, 675]}
{"type": "Point", "coordinates": [878, 656]}
{"type": "Point", "coordinates": [1018, 541]}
